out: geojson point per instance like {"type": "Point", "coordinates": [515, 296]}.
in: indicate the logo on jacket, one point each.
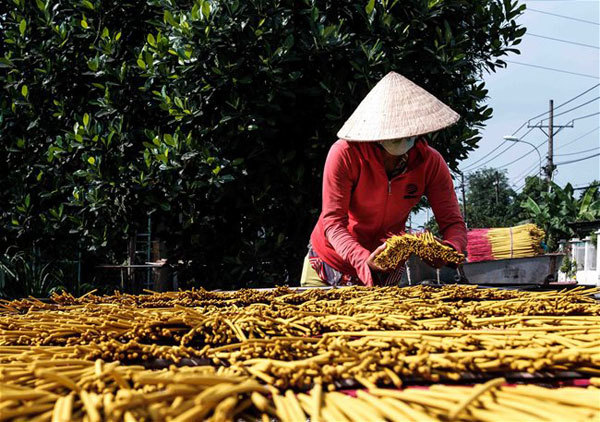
{"type": "Point", "coordinates": [411, 190]}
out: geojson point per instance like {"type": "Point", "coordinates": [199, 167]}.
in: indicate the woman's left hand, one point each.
{"type": "Point", "coordinates": [371, 260]}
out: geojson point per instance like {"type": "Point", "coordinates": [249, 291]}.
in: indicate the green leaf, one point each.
{"type": "Point", "coordinates": [194, 13]}
{"type": "Point", "coordinates": [168, 18]}
{"type": "Point", "coordinates": [118, 36]}
{"type": "Point", "coordinates": [91, 160]}
{"type": "Point", "coordinates": [88, 4]}
{"type": "Point", "coordinates": [27, 200]}
{"type": "Point", "coordinates": [141, 63]}
{"type": "Point", "coordinates": [169, 140]}
{"type": "Point", "coordinates": [24, 91]}
{"type": "Point", "coordinates": [84, 24]}
{"type": "Point", "coordinates": [22, 26]}
{"type": "Point", "coordinates": [205, 9]}
{"type": "Point", "coordinates": [86, 119]}
{"type": "Point", "coordinates": [587, 200]}
{"type": "Point", "coordinates": [151, 40]}
{"type": "Point", "coordinates": [369, 7]}
{"type": "Point", "coordinates": [40, 5]}
{"type": "Point", "coordinates": [530, 205]}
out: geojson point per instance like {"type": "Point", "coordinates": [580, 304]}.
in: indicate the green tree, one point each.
{"type": "Point", "coordinates": [534, 187]}
{"type": "Point", "coordinates": [490, 199]}
{"type": "Point", "coordinates": [213, 117]}
{"type": "Point", "coordinates": [559, 206]}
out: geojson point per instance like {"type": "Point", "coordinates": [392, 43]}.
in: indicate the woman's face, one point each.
{"type": "Point", "coordinates": [398, 146]}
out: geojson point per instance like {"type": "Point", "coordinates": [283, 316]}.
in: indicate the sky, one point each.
{"type": "Point", "coordinates": [518, 93]}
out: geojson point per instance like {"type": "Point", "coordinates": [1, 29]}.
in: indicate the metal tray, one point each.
{"type": "Point", "coordinates": [537, 270]}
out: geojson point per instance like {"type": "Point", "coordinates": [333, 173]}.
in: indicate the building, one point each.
{"type": "Point", "coordinates": [585, 251]}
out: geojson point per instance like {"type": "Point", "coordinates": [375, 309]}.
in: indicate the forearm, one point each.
{"type": "Point", "coordinates": [350, 250]}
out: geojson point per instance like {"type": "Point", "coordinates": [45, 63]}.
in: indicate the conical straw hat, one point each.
{"type": "Point", "coordinates": [396, 108]}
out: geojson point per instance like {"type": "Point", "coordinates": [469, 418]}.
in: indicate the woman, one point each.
{"type": "Point", "coordinates": [374, 174]}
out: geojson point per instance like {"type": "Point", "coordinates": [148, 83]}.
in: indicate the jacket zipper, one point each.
{"type": "Point", "coordinates": [389, 187]}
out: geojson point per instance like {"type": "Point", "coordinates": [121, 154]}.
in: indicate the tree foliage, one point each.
{"type": "Point", "coordinates": [490, 199]}
{"type": "Point", "coordinates": [559, 206]}
{"type": "Point", "coordinates": [213, 116]}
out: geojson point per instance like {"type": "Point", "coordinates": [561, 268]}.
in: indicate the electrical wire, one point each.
{"type": "Point", "coordinates": [557, 107]}
{"type": "Point", "coordinates": [578, 152]}
{"type": "Point", "coordinates": [470, 166]}
{"type": "Point", "coordinates": [554, 69]}
{"type": "Point", "coordinates": [578, 160]}
{"type": "Point", "coordinates": [585, 117]}
{"type": "Point", "coordinates": [574, 108]}
{"type": "Point", "coordinates": [564, 41]}
{"type": "Point", "coordinates": [524, 179]}
{"type": "Point", "coordinates": [531, 170]}
{"type": "Point", "coordinates": [512, 144]}
{"type": "Point", "coordinates": [525, 174]}
{"type": "Point", "coordinates": [522, 156]}
{"type": "Point", "coordinates": [484, 157]}
{"type": "Point", "coordinates": [578, 138]}
{"type": "Point", "coordinates": [562, 16]}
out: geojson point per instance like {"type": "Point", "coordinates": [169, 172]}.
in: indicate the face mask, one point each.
{"type": "Point", "coordinates": [398, 146]}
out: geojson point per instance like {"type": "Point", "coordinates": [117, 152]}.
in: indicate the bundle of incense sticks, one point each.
{"type": "Point", "coordinates": [507, 242]}
{"type": "Point", "coordinates": [424, 245]}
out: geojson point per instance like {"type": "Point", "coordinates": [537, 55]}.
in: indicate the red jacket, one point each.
{"type": "Point", "coordinates": [361, 207]}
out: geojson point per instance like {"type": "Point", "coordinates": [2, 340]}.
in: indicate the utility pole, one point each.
{"type": "Point", "coordinates": [549, 169]}
{"type": "Point", "coordinates": [550, 164]}
{"type": "Point", "coordinates": [464, 198]}
{"type": "Point", "coordinates": [497, 185]}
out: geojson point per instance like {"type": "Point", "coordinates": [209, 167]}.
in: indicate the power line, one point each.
{"type": "Point", "coordinates": [574, 108]}
{"type": "Point", "coordinates": [474, 165]}
{"type": "Point", "coordinates": [522, 156]}
{"type": "Point", "coordinates": [484, 157]}
{"type": "Point", "coordinates": [524, 174]}
{"type": "Point", "coordinates": [553, 69]}
{"type": "Point", "coordinates": [564, 41]}
{"type": "Point", "coordinates": [529, 172]}
{"type": "Point", "coordinates": [524, 184]}
{"type": "Point", "coordinates": [579, 159]}
{"type": "Point", "coordinates": [512, 144]}
{"type": "Point", "coordinates": [557, 107]}
{"type": "Point", "coordinates": [578, 152]}
{"type": "Point", "coordinates": [561, 16]}
{"type": "Point", "coordinates": [524, 180]}
{"type": "Point", "coordinates": [520, 187]}
{"type": "Point", "coordinates": [585, 117]}
{"type": "Point", "coordinates": [585, 187]}
{"type": "Point", "coordinates": [577, 139]}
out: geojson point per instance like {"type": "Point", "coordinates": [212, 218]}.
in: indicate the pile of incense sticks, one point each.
{"type": "Point", "coordinates": [502, 243]}
{"type": "Point", "coordinates": [424, 245]}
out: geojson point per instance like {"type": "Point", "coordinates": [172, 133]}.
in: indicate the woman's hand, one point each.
{"type": "Point", "coordinates": [438, 263]}
{"type": "Point", "coordinates": [371, 260]}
